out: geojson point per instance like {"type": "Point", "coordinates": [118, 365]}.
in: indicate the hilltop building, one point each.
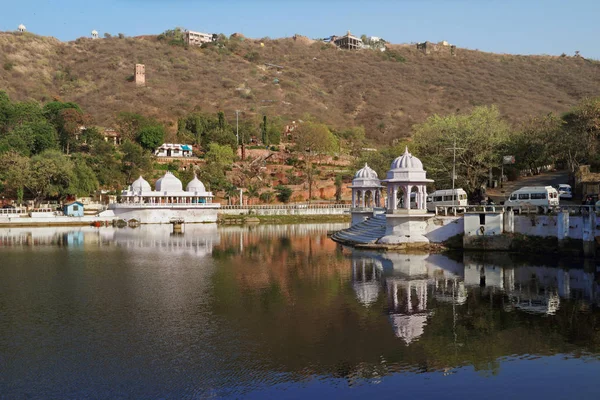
{"type": "Point", "coordinates": [94, 34]}
{"type": "Point", "coordinates": [174, 150]}
{"type": "Point", "coordinates": [198, 38]}
{"type": "Point", "coordinates": [112, 136]}
{"type": "Point", "coordinates": [348, 41]}
{"type": "Point", "coordinates": [21, 28]}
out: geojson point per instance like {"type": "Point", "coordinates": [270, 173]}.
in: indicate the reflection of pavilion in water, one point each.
{"type": "Point", "coordinates": [56, 236]}
{"type": "Point", "coordinates": [410, 281]}
{"type": "Point", "coordinates": [535, 289]}
{"type": "Point", "coordinates": [198, 239]}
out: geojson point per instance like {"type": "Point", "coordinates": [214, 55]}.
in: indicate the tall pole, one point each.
{"type": "Point", "coordinates": [453, 170]}
{"type": "Point", "coordinates": [454, 148]}
{"type": "Point", "coordinates": [237, 127]}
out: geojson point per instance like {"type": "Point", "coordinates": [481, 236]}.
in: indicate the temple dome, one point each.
{"type": "Point", "coordinates": [169, 183]}
{"type": "Point", "coordinates": [366, 292]}
{"type": "Point", "coordinates": [366, 173]}
{"type": "Point", "coordinates": [407, 162]}
{"type": "Point", "coordinates": [22, 28]}
{"type": "Point", "coordinates": [195, 185]}
{"type": "Point", "coordinates": [141, 185]}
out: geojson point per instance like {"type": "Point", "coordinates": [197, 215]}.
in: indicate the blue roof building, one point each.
{"type": "Point", "coordinates": [73, 209]}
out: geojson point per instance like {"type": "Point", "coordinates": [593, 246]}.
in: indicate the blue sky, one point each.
{"type": "Point", "coordinates": [502, 26]}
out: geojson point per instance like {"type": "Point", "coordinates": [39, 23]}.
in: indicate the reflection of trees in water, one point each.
{"type": "Point", "coordinates": [307, 308]}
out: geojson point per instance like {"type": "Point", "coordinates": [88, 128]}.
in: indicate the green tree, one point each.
{"type": "Point", "coordinates": [267, 197]}
{"type": "Point", "coordinates": [252, 192]}
{"type": "Point", "coordinates": [130, 124]}
{"type": "Point", "coordinates": [263, 131]}
{"type": "Point", "coordinates": [51, 111]}
{"type": "Point", "coordinates": [315, 138]}
{"type": "Point", "coordinates": [150, 137]}
{"type": "Point", "coordinates": [354, 139]}
{"type": "Point", "coordinates": [482, 137]}
{"type": "Point", "coordinates": [578, 142]}
{"type": "Point", "coordinates": [136, 161]}
{"type": "Point", "coordinates": [84, 181]}
{"type": "Point", "coordinates": [284, 193]}
{"type": "Point", "coordinates": [70, 122]}
{"type": "Point", "coordinates": [531, 144]}
{"type": "Point", "coordinates": [14, 172]}
{"type": "Point", "coordinates": [220, 155]}
{"type": "Point", "coordinates": [338, 187]}
{"type": "Point", "coordinates": [50, 174]}
{"type": "Point", "coordinates": [106, 164]}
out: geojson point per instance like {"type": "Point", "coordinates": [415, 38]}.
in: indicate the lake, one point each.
{"type": "Point", "coordinates": [281, 311]}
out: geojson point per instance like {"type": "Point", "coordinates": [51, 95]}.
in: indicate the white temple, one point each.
{"type": "Point", "coordinates": [405, 175]}
{"type": "Point", "coordinates": [167, 201]}
{"type": "Point", "coordinates": [21, 28]}
{"type": "Point", "coordinates": [94, 34]}
{"type": "Point", "coordinates": [405, 220]}
{"type": "Point", "coordinates": [168, 190]}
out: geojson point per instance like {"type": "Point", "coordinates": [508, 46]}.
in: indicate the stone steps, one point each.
{"type": "Point", "coordinates": [365, 232]}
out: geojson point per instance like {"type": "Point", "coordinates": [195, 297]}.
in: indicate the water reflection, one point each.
{"type": "Point", "coordinates": [275, 311]}
{"type": "Point", "coordinates": [411, 282]}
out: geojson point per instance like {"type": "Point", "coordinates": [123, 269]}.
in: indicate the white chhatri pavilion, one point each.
{"type": "Point", "coordinates": [406, 173]}
{"type": "Point", "coordinates": [366, 188]}
{"type": "Point", "coordinates": [21, 28]}
{"type": "Point", "coordinates": [406, 226]}
{"type": "Point", "coordinates": [366, 194]}
{"type": "Point", "coordinates": [94, 34]}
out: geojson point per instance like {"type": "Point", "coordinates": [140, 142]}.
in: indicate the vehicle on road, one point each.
{"type": "Point", "coordinates": [564, 191]}
{"type": "Point", "coordinates": [542, 197]}
{"type": "Point", "coordinates": [447, 197]}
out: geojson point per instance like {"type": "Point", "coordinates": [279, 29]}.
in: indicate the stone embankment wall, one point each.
{"type": "Point", "coordinates": [285, 210]}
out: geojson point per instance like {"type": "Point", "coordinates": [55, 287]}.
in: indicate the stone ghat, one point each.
{"type": "Point", "coordinates": [498, 230]}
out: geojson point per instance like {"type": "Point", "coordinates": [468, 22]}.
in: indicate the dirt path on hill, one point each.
{"type": "Point", "coordinates": [545, 179]}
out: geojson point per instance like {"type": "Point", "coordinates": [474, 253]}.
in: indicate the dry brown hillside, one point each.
{"type": "Point", "coordinates": [342, 88]}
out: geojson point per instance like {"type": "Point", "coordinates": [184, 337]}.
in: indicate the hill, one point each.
{"type": "Point", "coordinates": [386, 92]}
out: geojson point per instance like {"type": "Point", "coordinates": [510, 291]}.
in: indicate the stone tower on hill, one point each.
{"type": "Point", "coordinates": [140, 75]}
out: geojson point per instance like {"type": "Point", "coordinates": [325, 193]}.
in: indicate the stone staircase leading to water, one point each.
{"type": "Point", "coordinates": [365, 232]}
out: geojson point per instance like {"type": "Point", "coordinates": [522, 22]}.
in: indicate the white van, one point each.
{"type": "Point", "coordinates": [446, 198]}
{"type": "Point", "coordinates": [543, 197]}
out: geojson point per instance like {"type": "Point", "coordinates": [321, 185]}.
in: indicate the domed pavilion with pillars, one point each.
{"type": "Point", "coordinates": [406, 173]}
{"type": "Point", "coordinates": [366, 194]}
{"type": "Point", "coordinates": [406, 218]}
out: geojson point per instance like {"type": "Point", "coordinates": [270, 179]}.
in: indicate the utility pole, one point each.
{"type": "Point", "coordinates": [237, 127]}
{"type": "Point", "coordinates": [454, 148]}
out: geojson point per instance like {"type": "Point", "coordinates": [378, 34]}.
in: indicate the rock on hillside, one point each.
{"type": "Point", "coordinates": [342, 88]}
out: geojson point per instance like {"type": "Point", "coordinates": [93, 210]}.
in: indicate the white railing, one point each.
{"type": "Point", "coordinates": [13, 211]}
{"type": "Point", "coordinates": [286, 206]}
{"type": "Point", "coordinates": [524, 209]}
{"type": "Point", "coordinates": [167, 205]}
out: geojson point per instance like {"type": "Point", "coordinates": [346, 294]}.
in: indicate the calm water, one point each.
{"type": "Point", "coordinates": [282, 312]}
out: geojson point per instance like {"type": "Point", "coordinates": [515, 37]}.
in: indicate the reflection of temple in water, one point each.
{"type": "Point", "coordinates": [415, 284]}
{"type": "Point", "coordinates": [410, 281]}
{"type": "Point", "coordinates": [366, 274]}
{"type": "Point", "coordinates": [198, 239]}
